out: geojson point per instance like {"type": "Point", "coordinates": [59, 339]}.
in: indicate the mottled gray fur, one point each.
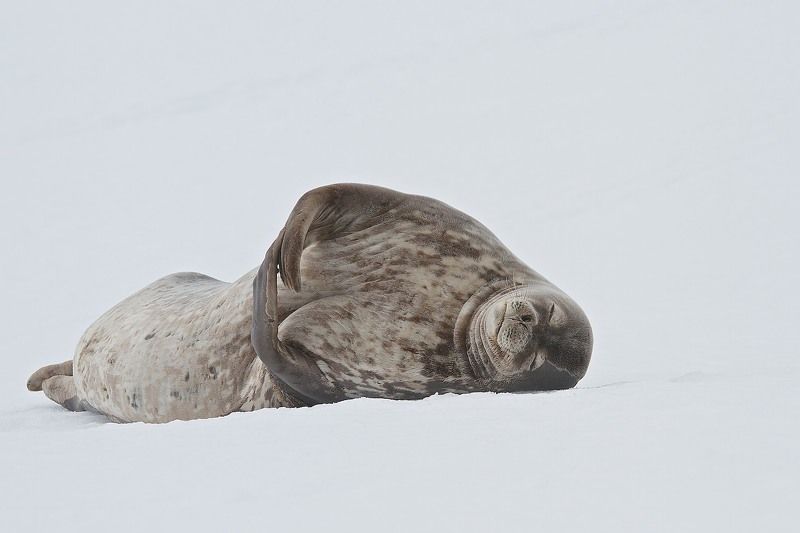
{"type": "Point", "coordinates": [366, 292]}
{"type": "Point", "coordinates": [400, 290]}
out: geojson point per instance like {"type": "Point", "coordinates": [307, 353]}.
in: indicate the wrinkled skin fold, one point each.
{"type": "Point", "coordinates": [402, 296]}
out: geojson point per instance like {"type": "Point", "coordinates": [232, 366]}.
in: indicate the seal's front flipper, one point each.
{"type": "Point", "coordinates": [291, 369]}
{"type": "Point", "coordinates": [322, 214]}
{"type": "Point", "coordinates": [327, 213]}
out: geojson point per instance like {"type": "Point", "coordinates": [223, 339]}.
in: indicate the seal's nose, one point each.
{"type": "Point", "coordinates": [513, 336]}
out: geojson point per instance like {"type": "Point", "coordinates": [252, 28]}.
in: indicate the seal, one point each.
{"type": "Point", "coordinates": [407, 297]}
{"type": "Point", "coordinates": [365, 292]}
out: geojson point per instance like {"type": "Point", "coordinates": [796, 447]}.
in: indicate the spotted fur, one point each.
{"type": "Point", "coordinates": [393, 273]}
{"type": "Point", "coordinates": [366, 292]}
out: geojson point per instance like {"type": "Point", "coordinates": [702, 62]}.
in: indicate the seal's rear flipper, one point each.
{"type": "Point", "coordinates": [46, 372]}
{"type": "Point", "coordinates": [61, 389]}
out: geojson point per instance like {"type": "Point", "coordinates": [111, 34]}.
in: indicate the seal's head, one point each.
{"type": "Point", "coordinates": [529, 335]}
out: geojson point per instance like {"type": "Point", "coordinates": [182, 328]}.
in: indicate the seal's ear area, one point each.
{"type": "Point", "coordinates": [326, 213]}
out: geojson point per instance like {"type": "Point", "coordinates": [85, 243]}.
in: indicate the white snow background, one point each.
{"type": "Point", "coordinates": [644, 156]}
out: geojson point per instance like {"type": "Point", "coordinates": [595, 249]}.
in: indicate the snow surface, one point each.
{"type": "Point", "coordinates": [642, 155]}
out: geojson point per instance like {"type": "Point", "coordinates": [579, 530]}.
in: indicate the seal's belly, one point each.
{"type": "Point", "coordinates": [170, 351]}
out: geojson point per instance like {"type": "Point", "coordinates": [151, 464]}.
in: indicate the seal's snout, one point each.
{"type": "Point", "coordinates": [520, 329]}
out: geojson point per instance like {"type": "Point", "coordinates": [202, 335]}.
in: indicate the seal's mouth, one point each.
{"type": "Point", "coordinates": [509, 341]}
{"type": "Point", "coordinates": [479, 325]}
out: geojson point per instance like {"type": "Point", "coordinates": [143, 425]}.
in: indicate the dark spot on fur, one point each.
{"type": "Point", "coordinates": [424, 260]}
{"type": "Point", "coordinates": [150, 335]}
{"type": "Point", "coordinates": [448, 244]}
{"type": "Point", "coordinates": [186, 377]}
{"type": "Point", "coordinates": [213, 371]}
{"type": "Point", "coordinates": [327, 346]}
{"type": "Point", "coordinates": [489, 275]}
{"type": "Point", "coordinates": [440, 362]}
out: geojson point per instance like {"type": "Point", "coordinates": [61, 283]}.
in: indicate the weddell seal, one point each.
{"type": "Point", "coordinates": [366, 292]}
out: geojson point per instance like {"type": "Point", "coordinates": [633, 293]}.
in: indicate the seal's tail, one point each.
{"type": "Point", "coordinates": [57, 383]}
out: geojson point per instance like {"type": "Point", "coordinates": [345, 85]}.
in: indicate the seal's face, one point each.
{"type": "Point", "coordinates": [520, 328]}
